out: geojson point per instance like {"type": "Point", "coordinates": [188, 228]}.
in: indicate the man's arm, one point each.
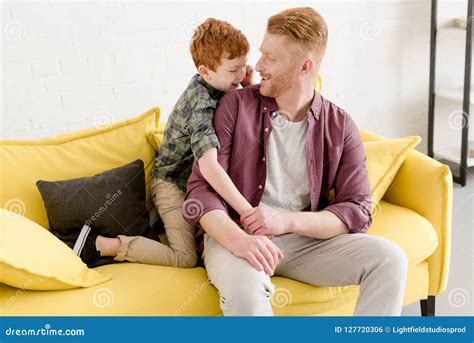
{"type": "Point", "coordinates": [353, 198]}
{"type": "Point", "coordinates": [320, 225]}
{"type": "Point", "coordinates": [349, 213]}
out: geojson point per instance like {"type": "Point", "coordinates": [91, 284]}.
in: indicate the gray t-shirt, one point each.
{"type": "Point", "coordinates": [286, 186]}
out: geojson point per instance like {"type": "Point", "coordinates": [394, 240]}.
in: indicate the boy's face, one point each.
{"type": "Point", "coordinates": [228, 75]}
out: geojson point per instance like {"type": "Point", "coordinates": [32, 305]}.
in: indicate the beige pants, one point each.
{"type": "Point", "coordinates": [378, 265]}
{"type": "Point", "coordinates": [181, 251]}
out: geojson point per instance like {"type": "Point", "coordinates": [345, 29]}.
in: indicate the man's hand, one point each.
{"type": "Point", "coordinates": [247, 81]}
{"type": "Point", "coordinates": [259, 251]}
{"type": "Point", "coordinates": [264, 221]}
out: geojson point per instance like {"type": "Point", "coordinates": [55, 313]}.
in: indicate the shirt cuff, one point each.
{"type": "Point", "coordinates": [356, 217]}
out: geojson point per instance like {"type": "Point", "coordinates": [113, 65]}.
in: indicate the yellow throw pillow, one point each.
{"type": "Point", "coordinates": [384, 159]}
{"type": "Point", "coordinates": [155, 137]}
{"type": "Point", "coordinates": [33, 258]}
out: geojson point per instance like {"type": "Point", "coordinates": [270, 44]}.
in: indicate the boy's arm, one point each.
{"type": "Point", "coordinates": [207, 208]}
{"type": "Point", "coordinates": [201, 199]}
{"type": "Point", "coordinates": [202, 134]}
{"type": "Point", "coordinates": [216, 176]}
{"type": "Point", "coordinates": [201, 193]}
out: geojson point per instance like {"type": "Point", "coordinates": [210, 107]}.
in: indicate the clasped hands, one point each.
{"type": "Point", "coordinates": [261, 224]}
{"type": "Point", "coordinates": [264, 221]}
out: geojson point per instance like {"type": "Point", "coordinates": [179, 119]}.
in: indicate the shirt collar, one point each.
{"type": "Point", "coordinates": [269, 105]}
{"type": "Point", "coordinates": [214, 92]}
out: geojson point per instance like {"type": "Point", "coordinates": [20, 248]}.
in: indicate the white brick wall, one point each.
{"type": "Point", "coordinates": [64, 62]}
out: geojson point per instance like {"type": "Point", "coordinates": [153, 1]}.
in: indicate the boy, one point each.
{"type": "Point", "coordinates": [219, 52]}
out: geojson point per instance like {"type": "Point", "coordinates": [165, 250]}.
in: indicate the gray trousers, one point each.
{"type": "Point", "coordinates": [378, 265]}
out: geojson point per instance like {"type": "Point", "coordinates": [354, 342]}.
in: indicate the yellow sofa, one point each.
{"type": "Point", "coordinates": [414, 213]}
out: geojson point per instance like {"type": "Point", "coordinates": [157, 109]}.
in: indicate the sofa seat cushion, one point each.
{"type": "Point", "coordinates": [141, 289]}
{"type": "Point", "coordinates": [135, 289]}
{"type": "Point", "coordinates": [411, 231]}
{"type": "Point", "coordinates": [131, 292]}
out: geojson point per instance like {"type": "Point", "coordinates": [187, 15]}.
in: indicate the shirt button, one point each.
{"type": "Point", "coordinates": [260, 187]}
{"type": "Point", "coordinates": [263, 159]}
{"type": "Point", "coordinates": [266, 129]}
{"type": "Point", "coordinates": [264, 108]}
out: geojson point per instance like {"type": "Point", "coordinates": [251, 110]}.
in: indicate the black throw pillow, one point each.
{"type": "Point", "coordinates": [112, 202]}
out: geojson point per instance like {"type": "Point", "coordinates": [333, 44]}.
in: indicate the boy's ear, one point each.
{"type": "Point", "coordinates": [204, 72]}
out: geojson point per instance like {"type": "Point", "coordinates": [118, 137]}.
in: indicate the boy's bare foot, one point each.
{"type": "Point", "coordinates": [107, 246]}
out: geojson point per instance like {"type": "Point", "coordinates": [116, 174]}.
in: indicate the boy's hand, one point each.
{"type": "Point", "coordinates": [247, 81]}
{"type": "Point", "coordinates": [264, 221]}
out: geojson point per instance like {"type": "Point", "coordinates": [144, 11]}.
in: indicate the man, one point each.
{"type": "Point", "coordinates": [285, 148]}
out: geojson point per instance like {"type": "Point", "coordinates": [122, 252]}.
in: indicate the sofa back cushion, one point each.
{"type": "Point", "coordinates": [84, 153]}
{"type": "Point", "coordinates": [368, 136]}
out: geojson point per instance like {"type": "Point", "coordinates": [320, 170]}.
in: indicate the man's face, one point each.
{"type": "Point", "coordinates": [229, 74]}
{"type": "Point", "coordinates": [279, 64]}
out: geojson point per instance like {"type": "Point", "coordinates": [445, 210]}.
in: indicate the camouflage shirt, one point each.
{"type": "Point", "coordinates": [189, 132]}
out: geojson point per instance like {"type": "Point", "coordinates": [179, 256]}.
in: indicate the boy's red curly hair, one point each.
{"type": "Point", "coordinates": [215, 39]}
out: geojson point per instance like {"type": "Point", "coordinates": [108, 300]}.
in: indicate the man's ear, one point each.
{"type": "Point", "coordinates": [204, 72]}
{"type": "Point", "coordinates": [308, 66]}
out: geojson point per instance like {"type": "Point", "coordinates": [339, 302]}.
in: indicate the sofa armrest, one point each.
{"type": "Point", "coordinates": [424, 185]}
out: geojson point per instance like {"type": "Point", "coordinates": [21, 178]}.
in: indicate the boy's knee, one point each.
{"type": "Point", "coordinates": [187, 260]}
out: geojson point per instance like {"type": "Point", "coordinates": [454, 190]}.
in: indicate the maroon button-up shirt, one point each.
{"type": "Point", "coordinates": [334, 155]}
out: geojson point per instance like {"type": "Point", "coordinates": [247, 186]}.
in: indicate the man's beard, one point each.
{"type": "Point", "coordinates": [279, 84]}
